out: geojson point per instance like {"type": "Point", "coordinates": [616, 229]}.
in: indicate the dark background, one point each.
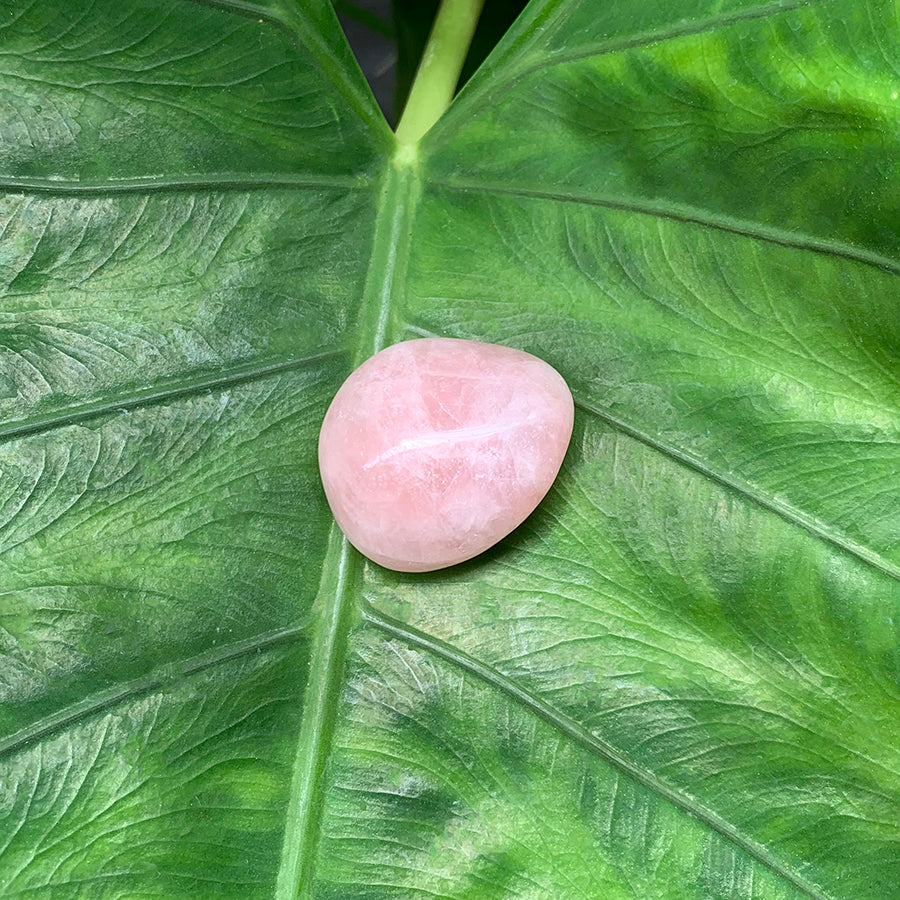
{"type": "Point", "coordinates": [388, 37]}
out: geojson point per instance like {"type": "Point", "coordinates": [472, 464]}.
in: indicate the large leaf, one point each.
{"type": "Point", "coordinates": [679, 679]}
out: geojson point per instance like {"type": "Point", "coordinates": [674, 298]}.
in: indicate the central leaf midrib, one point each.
{"type": "Point", "coordinates": [326, 672]}
{"type": "Point", "coordinates": [385, 278]}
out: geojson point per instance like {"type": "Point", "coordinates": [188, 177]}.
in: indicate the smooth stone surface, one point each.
{"type": "Point", "coordinates": [435, 449]}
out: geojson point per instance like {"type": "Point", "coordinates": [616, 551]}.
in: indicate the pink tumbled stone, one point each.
{"type": "Point", "coordinates": [435, 449]}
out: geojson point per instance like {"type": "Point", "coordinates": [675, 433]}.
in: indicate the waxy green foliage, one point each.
{"type": "Point", "coordinates": [680, 679]}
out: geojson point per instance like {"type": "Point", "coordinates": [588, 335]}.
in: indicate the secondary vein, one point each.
{"type": "Point", "coordinates": [212, 182]}
{"type": "Point", "coordinates": [584, 738]}
{"type": "Point", "coordinates": [155, 396]}
{"type": "Point", "coordinates": [682, 213]}
{"type": "Point", "coordinates": [470, 97]}
{"type": "Point", "coordinates": [167, 675]}
{"type": "Point", "coordinates": [786, 511]}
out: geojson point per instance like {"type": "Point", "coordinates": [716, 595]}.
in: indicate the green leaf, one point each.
{"type": "Point", "coordinates": [679, 679]}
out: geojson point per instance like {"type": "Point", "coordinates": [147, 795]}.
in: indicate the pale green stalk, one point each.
{"type": "Point", "coordinates": [439, 68]}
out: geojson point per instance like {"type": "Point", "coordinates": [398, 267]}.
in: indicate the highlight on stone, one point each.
{"type": "Point", "coordinates": [435, 449]}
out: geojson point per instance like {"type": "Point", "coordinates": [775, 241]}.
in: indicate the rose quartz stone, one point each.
{"type": "Point", "coordinates": [435, 449]}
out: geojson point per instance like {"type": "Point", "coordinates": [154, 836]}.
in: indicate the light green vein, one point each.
{"type": "Point", "coordinates": [681, 213]}
{"type": "Point", "coordinates": [241, 8]}
{"type": "Point", "coordinates": [744, 489]}
{"type": "Point", "coordinates": [213, 182]}
{"type": "Point", "coordinates": [470, 97]}
{"type": "Point", "coordinates": [164, 676]}
{"type": "Point", "coordinates": [584, 738]}
{"type": "Point", "coordinates": [157, 395]}
{"type": "Point", "coordinates": [335, 604]}
{"type": "Point", "coordinates": [390, 251]}
{"type": "Point", "coordinates": [658, 35]}
{"type": "Point", "coordinates": [343, 74]}
{"type": "Point", "coordinates": [332, 613]}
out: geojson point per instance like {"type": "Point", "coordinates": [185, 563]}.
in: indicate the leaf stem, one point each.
{"type": "Point", "coordinates": [438, 71]}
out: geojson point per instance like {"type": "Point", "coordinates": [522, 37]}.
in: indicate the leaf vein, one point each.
{"type": "Point", "coordinates": [168, 674]}
{"type": "Point", "coordinates": [747, 491]}
{"type": "Point", "coordinates": [499, 86]}
{"type": "Point", "coordinates": [687, 214]}
{"type": "Point", "coordinates": [200, 384]}
{"type": "Point", "coordinates": [175, 184]}
{"type": "Point", "coordinates": [590, 742]}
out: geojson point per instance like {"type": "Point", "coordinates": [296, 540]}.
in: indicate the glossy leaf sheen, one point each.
{"type": "Point", "coordinates": [679, 679]}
